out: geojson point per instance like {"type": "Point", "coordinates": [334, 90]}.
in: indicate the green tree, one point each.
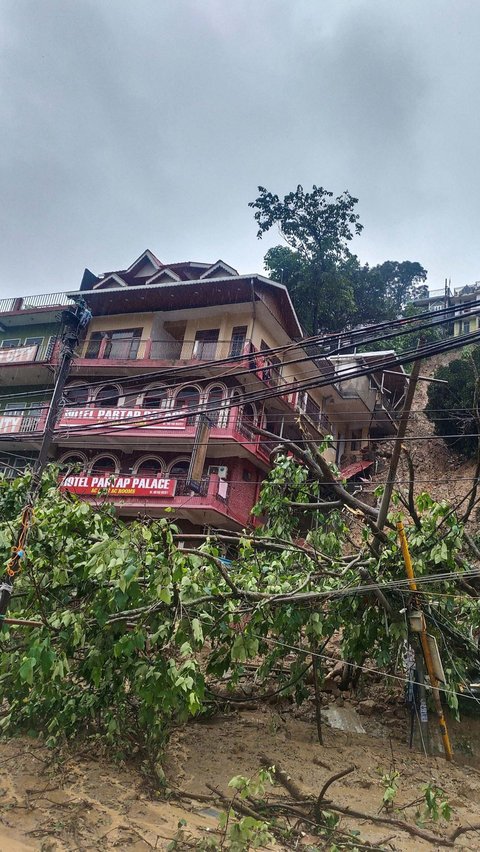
{"type": "Point", "coordinates": [453, 408]}
{"type": "Point", "coordinates": [330, 288]}
{"type": "Point", "coordinates": [395, 283]}
{"type": "Point", "coordinates": [317, 229]}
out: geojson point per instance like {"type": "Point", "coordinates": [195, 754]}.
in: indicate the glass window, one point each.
{"type": "Point", "coordinates": [237, 343]}
{"type": "Point", "coordinates": [11, 343]}
{"type": "Point", "coordinates": [154, 398]}
{"type": "Point", "coordinates": [72, 459]}
{"type": "Point", "coordinates": [104, 464]}
{"type": "Point", "coordinates": [152, 466]}
{"type": "Point", "coordinates": [179, 470]}
{"type": "Point", "coordinates": [188, 398]}
{"type": "Point", "coordinates": [77, 394]}
{"type": "Point", "coordinates": [215, 397]}
{"type": "Point", "coordinates": [107, 397]}
{"type": "Point", "coordinates": [115, 343]}
{"type": "Point", "coordinates": [205, 344]}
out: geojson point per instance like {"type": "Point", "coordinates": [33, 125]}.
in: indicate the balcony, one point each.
{"type": "Point", "coordinates": [37, 353]}
{"type": "Point", "coordinates": [38, 301]}
{"type": "Point", "coordinates": [138, 427]}
{"type": "Point", "coordinates": [216, 502]}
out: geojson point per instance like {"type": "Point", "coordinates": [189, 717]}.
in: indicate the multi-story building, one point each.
{"type": "Point", "coordinates": [29, 329]}
{"type": "Point", "coordinates": [178, 366]}
{"type": "Point", "coordinates": [464, 301]}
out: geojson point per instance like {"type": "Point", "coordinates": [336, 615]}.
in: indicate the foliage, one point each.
{"type": "Point", "coordinates": [437, 805]}
{"type": "Point", "coordinates": [390, 788]}
{"type": "Point", "coordinates": [317, 229]}
{"type": "Point", "coordinates": [329, 287]}
{"type": "Point", "coordinates": [136, 633]}
{"type": "Point", "coordinates": [453, 407]}
{"type": "Point", "coordinates": [407, 343]}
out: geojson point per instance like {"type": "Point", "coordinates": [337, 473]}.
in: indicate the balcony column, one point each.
{"type": "Point", "coordinates": [102, 347]}
{"type": "Point", "coordinates": [213, 485]}
{"type": "Point", "coordinates": [148, 349]}
{"type": "Point", "coordinates": [233, 417]}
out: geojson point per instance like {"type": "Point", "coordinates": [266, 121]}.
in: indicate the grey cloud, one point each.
{"type": "Point", "coordinates": [128, 125]}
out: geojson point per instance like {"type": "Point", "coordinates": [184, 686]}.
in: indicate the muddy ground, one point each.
{"type": "Point", "coordinates": [83, 802]}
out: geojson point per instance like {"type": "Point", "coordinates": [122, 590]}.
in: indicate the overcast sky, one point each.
{"type": "Point", "coordinates": [132, 124]}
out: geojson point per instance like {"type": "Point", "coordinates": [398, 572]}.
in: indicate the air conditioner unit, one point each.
{"type": "Point", "coordinates": [220, 470]}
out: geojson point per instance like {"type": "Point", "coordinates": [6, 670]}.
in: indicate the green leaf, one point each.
{"type": "Point", "coordinates": [26, 669]}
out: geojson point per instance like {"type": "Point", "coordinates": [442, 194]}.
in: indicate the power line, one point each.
{"type": "Point", "coordinates": [314, 340]}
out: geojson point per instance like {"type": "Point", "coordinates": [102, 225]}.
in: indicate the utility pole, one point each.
{"type": "Point", "coordinates": [75, 319]}
{"type": "Point", "coordinates": [427, 654]}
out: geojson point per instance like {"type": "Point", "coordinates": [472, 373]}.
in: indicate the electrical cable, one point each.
{"type": "Point", "coordinates": [302, 385]}
{"type": "Point", "coordinates": [368, 669]}
{"type": "Point", "coordinates": [316, 339]}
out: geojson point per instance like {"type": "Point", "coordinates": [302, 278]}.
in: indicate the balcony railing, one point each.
{"type": "Point", "coordinates": [130, 348]}
{"type": "Point", "coordinates": [40, 300]}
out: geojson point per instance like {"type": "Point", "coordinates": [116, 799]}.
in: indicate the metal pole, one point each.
{"type": "Point", "coordinates": [425, 646]}
{"type": "Point", "coordinates": [77, 319]}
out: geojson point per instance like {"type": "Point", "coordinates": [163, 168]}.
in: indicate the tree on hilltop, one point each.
{"type": "Point", "coordinates": [330, 288]}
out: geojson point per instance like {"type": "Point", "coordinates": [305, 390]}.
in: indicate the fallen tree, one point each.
{"type": "Point", "coordinates": [130, 635]}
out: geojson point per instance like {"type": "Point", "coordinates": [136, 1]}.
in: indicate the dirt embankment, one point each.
{"type": "Point", "coordinates": [83, 803]}
{"type": "Point", "coordinates": [444, 474]}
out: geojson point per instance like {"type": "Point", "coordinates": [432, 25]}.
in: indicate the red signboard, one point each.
{"type": "Point", "coordinates": [119, 485]}
{"type": "Point", "coordinates": [17, 355]}
{"type": "Point", "coordinates": [126, 418]}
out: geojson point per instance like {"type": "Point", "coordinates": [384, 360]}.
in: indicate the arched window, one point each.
{"type": "Point", "coordinates": [108, 396]}
{"type": "Point", "coordinates": [154, 398]}
{"type": "Point", "coordinates": [149, 467]}
{"type": "Point", "coordinates": [214, 400]}
{"type": "Point", "coordinates": [72, 459]}
{"type": "Point", "coordinates": [188, 398]}
{"type": "Point", "coordinates": [249, 415]}
{"type": "Point", "coordinates": [104, 464]}
{"type": "Point", "coordinates": [179, 469]}
{"type": "Point", "coordinates": [77, 394]}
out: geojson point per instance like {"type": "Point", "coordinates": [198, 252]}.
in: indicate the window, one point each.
{"type": "Point", "coordinates": [248, 416]}
{"type": "Point", "coordinates": [214, 400]}
{"type": "Point", "coordinates": [72, 459]}
{"type": "Point", "coordinates": [179, 470]}
{"type": "Point", "coordinates": [35, 341]}
{"type": "Point", "coordinates": [205, 345]}
{"type": "Point", "coordinates": [187, 398]}
{"type": "Point", "coordinates": [355, 440]}
{"type": "Point", "coordinates": [77, 394]}
{"type": "Point", "coordinates": [466, 326]}
{"type": "Point", "coordinates": [121, 343]}
{"type": "Point", "coordinates": [237, 343]}
{"type": "Point", "coordinates": [50, 347]}
{"type": "Point", "coordinates": [104, 464]}
{"type": "Point", "coordinates": [151, 467]}
{"type": "Point", "coordinates": [107, 397]}
{"type": "Point", "coordinates": [154, 398]}
{"type": "Point", "coordinates": [11, 343]}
